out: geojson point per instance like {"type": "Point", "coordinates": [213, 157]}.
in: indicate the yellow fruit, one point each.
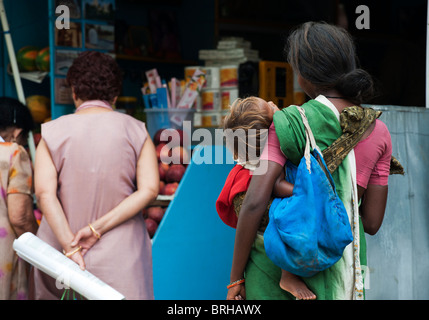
{"type": "Point", "coordinates": [40, 107]}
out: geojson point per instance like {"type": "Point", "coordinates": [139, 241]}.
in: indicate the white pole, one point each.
{"type": "Point", "coordinates": [11, 53]}
{"type": "Point", "coordinates": [15, 71]}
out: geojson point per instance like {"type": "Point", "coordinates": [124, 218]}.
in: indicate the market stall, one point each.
{"type": "Point", "coordinates": [190, 72]}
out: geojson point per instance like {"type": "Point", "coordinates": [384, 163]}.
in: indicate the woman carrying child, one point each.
{"type": "Point", "coordinates": [255, 114]}
{"type": "Point", "coordinates": [323, 57]}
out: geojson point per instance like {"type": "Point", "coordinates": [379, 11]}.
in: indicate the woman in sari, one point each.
{"type": "Point", "coordinates": [323, 57]}
{"type": "Point", "coordinates": [16, 200]}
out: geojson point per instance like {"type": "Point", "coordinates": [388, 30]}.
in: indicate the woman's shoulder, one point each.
{"type": "Point", "coordinates": [383, 133]}
{"type": "Point", "coordinates": [379, 139]}
{"type": "Point", "coordinates": [380, 132]}
{"type": "Point", "coordinates": [114, 116]}
{"type": "Point", "coordinates": [127, 118]}
{"type": "Point", "coordinates": [12, 147]}
{"type": "Point", "coordinates": [11, 151]}
{"type": "Point", "coordinates": [133, 129]}
{"type": "Point", "coordinates": [7, 144]}
{"type": "Point", "coordinates": [381, 126]}
{"type": "Point", "coordinates": [58, 122]}
{"type": "Point", "coordinates": [130, 123]}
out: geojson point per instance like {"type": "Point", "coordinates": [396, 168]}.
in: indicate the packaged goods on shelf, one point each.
{"type": "Point", "coordinates": [222, 54]}
{"type": "Point", "coordinates": [229, 76]}
{"type": "Point", "coordinates": [228, 96]}
{"type": "Point", "coordinates": [233, 42]}
{"type": "Point", "coordinates": [169, 105]}
{"type": "Point", "coordinates": [230, 50]}
{"type": "Point", "coordinates": [212, 77]}
{"type": "Point", "coordinates": [189, 72]}
{"type": "Point", "coordinates": [211, 100]}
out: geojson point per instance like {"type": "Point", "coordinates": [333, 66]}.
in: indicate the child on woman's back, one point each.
{"type": "Point", "coordinates": [257, 114]}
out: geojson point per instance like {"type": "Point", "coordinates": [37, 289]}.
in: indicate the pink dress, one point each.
{"type": "Point", "coordinates": [96, 156]}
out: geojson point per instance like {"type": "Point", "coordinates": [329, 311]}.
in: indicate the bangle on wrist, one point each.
{"type": "Point", "coordinates": [235, 283]}
{"type": "Point", "coordinates": [97, 234]}
{"type": "Point", "coordinates": [69, 254]}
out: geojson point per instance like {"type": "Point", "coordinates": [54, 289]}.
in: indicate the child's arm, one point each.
{"type": "Point", "coordinates": [282, 188]}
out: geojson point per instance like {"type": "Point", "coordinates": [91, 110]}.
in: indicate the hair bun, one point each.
{"type": "Point", "coordinates": [357, 86]}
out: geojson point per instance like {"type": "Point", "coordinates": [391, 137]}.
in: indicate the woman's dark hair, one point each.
{"type": "Point", "coordinates": [325, 55]}
{"type": "Point", "coordinates": [95, 76]}
{"type": "Point", "coordinates": [14, 114]}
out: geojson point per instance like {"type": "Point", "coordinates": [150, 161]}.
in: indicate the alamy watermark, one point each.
{"type": "Point", "coordinates": [63, 20]}
{"type": "Point", "coordinates": [363, 20]}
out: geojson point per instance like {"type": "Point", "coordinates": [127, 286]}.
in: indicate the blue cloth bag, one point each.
{"type": "Point", "coordinates": [308, 232]}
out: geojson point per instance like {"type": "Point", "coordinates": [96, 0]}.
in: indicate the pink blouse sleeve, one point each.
{"type": "Point", "coordinates": [272, 151]}
{"type": "Point", "coordinates": [373, 156]}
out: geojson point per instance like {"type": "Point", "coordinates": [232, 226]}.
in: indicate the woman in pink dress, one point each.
{"type": "Point", "coordinates": [95, 171]}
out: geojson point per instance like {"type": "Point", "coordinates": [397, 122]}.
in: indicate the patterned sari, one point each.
{"type": "Point", "coordinates": [15, 177]}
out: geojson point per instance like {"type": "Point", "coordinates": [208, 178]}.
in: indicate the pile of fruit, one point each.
{"type": "Point", "coordinates": [31, 58]}
{"type": "Point", "coordinates": [40, 108]}
{"type": "Point", "coordinates": [152, 217]}
{"type": "Point", "coordinates": [170, 173]}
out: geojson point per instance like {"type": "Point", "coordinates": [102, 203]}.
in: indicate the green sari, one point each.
{"type": "Point", "coordinates": [344, 280]}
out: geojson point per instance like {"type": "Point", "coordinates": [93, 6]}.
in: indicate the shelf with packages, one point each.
{"type": "Point", "coordinates": [88, 28]}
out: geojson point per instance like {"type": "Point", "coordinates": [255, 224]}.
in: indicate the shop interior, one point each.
{"type": "Point", "coordinates": [392, 49]}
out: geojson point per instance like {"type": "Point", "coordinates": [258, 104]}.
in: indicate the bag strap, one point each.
{"type": "Point", "coordinates": [310, 141]}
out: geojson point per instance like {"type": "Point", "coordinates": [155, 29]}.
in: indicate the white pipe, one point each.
{"type": "Point", "coordinates": [15, 71]}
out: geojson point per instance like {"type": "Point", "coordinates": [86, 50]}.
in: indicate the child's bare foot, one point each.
{"type": "Point", "coordinates": [294, 285]}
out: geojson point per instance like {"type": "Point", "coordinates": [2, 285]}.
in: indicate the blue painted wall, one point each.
{"type": "Point", "coordinates": [28, 24]}
{"type": "Point", "coordinates": [192, 248]}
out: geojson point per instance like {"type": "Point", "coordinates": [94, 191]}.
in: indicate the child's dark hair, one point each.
{"type": "Point", "coordinates": [14, 114]}
{"type": "Point", "coordinates": [245, 114]}
{"type": "Point", "coordinates": [325, 55]}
